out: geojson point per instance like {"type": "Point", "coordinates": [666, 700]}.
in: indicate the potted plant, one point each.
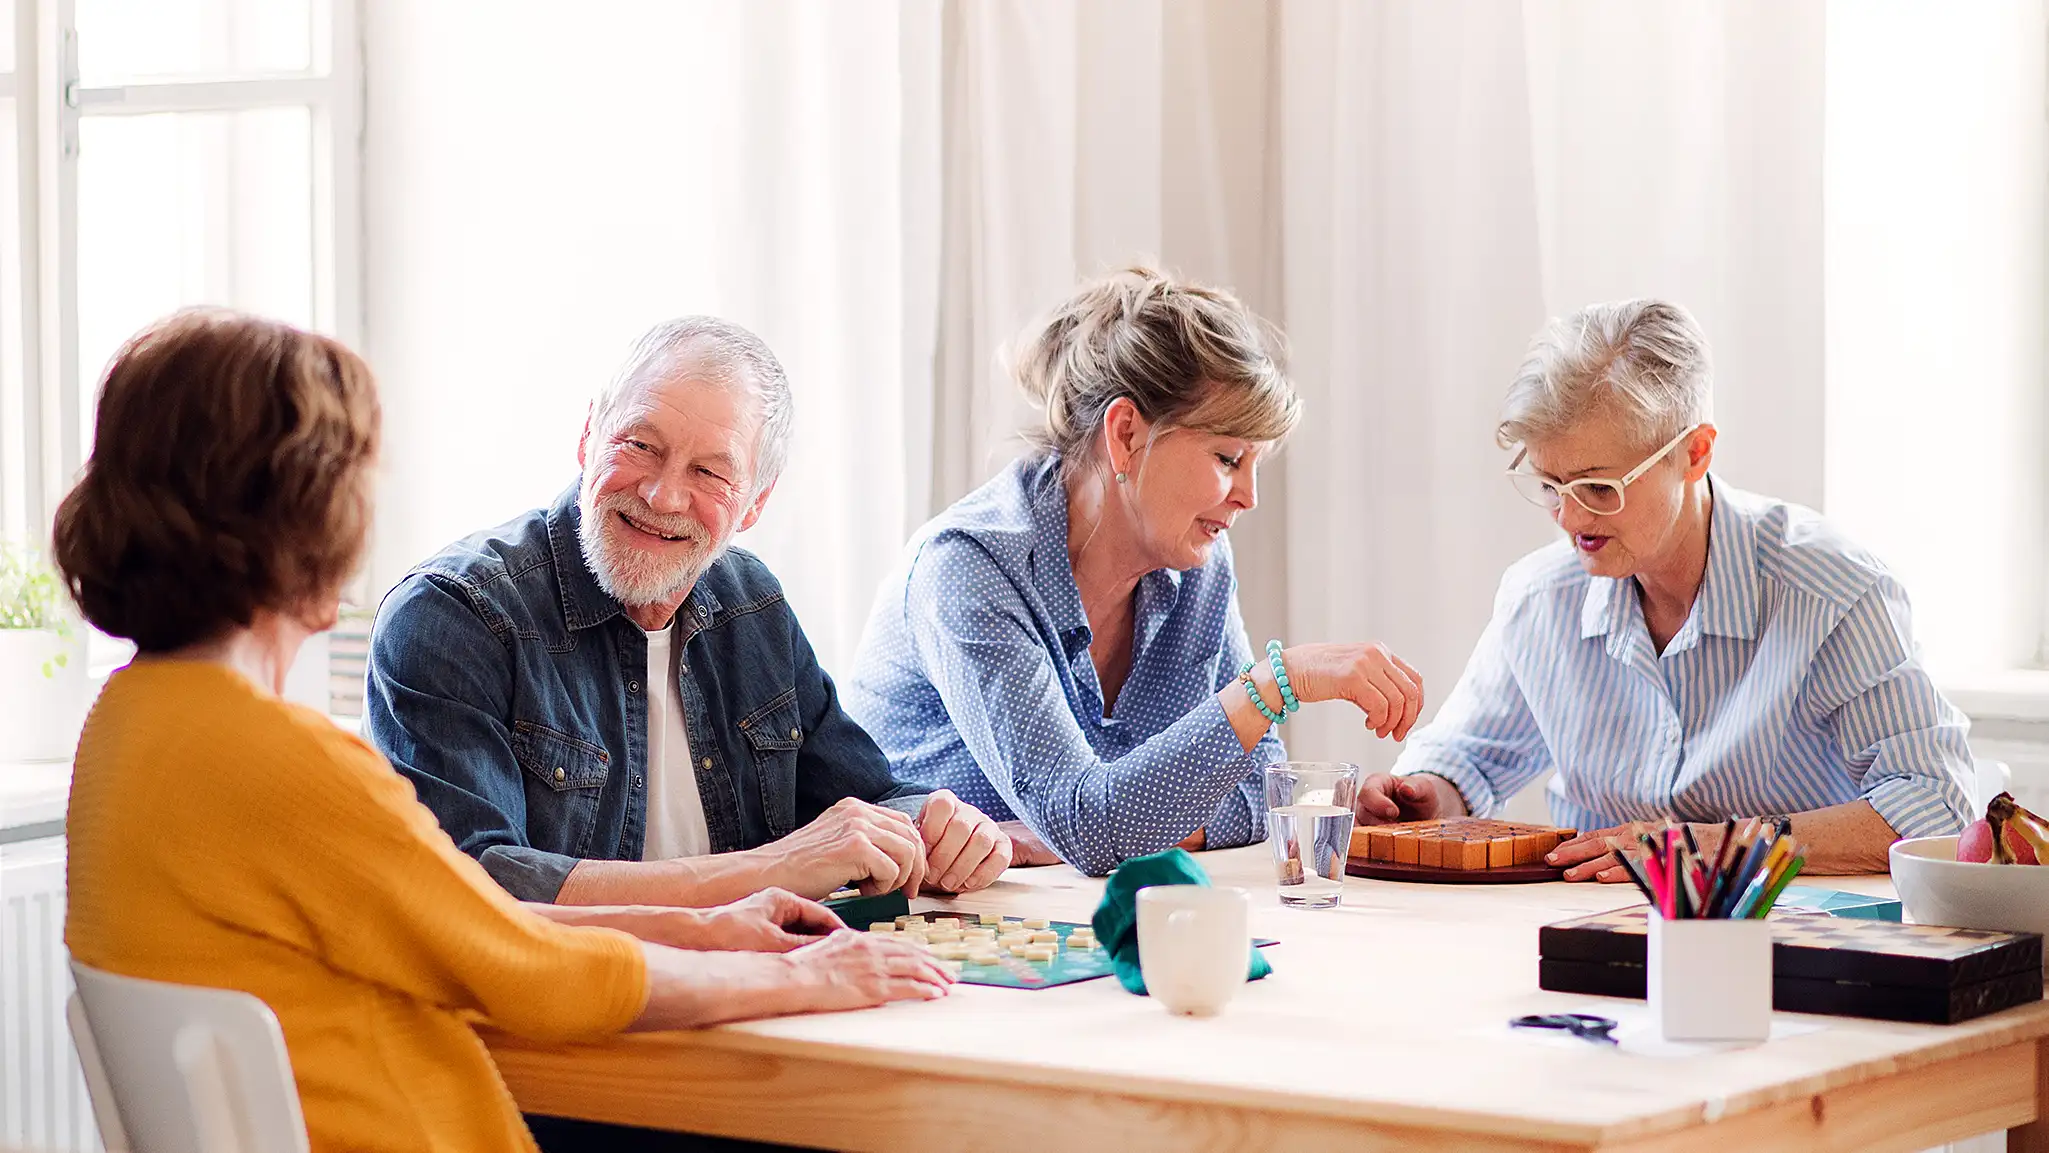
{"type": "Point", "coordinates": [42, 670]}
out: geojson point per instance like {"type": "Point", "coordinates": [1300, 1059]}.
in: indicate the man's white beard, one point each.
{"type": "Point", "coordinates": [630, 574]}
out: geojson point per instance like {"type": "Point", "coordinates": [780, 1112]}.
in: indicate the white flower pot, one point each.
{"type": "Point", "coordinates": [40, 715]}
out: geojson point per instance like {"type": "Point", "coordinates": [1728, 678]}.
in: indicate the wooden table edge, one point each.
{"type": "Point", "coordinates": [534, 1070]}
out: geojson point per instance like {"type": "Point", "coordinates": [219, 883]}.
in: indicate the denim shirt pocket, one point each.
{"type": "Point", "coordinates": [774, 732]}
{"type": "Point", "coordinates": [564, 778]}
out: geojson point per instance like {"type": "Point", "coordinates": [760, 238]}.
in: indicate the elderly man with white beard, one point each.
{"type": "Point", "coordinates": [604, 703]}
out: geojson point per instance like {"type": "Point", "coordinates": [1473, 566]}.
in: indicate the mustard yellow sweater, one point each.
{"type": "Point", "coordinates": [221, 837]}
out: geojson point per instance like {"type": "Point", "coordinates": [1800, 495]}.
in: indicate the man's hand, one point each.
{"type": "Point", "coordinates": [854, 842]}
{"type": "Point", "coordinates": [964, 849]}
{"type": "Point", "coordinates": [1591, 855]}
{"type": "Point", "coordinates": [1385, 798]}
{"type": "Point", "coordinates": [771, 921]}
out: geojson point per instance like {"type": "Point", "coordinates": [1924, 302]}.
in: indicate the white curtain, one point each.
{"type": "Point", "coordinates": [1409, 189]}
{"type": "Point", "coordinates": [544, 181]}
{"type": "Point", "coordinates": [889, 192]}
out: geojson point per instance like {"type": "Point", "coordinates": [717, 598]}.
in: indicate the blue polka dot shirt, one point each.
{"type": "Point", "coordinates": [974, 675]}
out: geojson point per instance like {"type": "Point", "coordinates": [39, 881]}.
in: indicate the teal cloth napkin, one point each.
{"type": "Point", "coordinates": [1116, 919]}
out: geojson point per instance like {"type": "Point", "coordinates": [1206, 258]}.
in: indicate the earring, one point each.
{"type": "Point", "coordinates": [1122, 477]}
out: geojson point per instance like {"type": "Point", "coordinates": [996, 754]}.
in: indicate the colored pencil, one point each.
{"type": "Point", "coordinates": [1771, 895]}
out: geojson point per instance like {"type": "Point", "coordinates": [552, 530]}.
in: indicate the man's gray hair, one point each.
{"type": "Point", "coordinates": [718, 352]}
{"type": "Point", "coordinates": [1641, 363]}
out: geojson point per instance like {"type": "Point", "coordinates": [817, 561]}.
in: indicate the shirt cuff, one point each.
{"type": "Point", "coordinates": [1471, 783]}
{"type": "Point", "coordinates": [1919, 808]}
{"type": "Point", "coordinates": [910, 806]}
{"type": "Point", "coordinates": [528, 874]}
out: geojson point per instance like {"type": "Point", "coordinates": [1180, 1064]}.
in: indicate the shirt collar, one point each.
{"type": "Point", "coordinates": [1727, 603]}
{"type": "Point", "coordinates": [1729, 598]}
{"type": "Point", "coordinates": [585, 603]}
{"type": "Point", "coordinates": [1052, 571]}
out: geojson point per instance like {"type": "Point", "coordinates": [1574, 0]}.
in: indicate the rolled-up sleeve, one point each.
{"type": "Point", "coordinates": [993, 670]}
{"type": "Point", "coordinates": [1484, 738]}
{"type": "Point", "coordinates": [1905, 745]}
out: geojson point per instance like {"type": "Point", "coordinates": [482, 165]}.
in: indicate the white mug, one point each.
{"type": "Point", "coordinates": [1194, 945]}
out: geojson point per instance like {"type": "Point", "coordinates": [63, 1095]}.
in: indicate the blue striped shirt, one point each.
{"type": "Point", "coordinates": [974, 675]}
{"type": "Point", "coordinates": [1793, 685]}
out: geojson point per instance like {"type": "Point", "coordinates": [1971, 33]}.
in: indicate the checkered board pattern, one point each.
{"type": "Point", "coordinates": [1461, 843]}
{"type": "Point", "coordinates": [1819, 931]}
{"type": "Point", "coordinates": [1837, 952]}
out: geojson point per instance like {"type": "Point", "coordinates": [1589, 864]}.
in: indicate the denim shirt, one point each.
{"type": "Point", "coordinates": [506, 685]}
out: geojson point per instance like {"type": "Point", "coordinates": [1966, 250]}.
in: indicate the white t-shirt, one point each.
{"type": "Point", "coordinates": [675, 811]}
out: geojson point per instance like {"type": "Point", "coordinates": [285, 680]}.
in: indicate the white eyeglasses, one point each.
{"type": "Point", "coordinates": [1596, 495]}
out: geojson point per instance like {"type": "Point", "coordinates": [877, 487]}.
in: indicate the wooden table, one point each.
{"type": "Point", "coordinates": [1382, 1027]}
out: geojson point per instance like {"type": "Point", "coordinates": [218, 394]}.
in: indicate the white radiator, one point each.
{"type": "Point", "coordinates": [43, 1104]}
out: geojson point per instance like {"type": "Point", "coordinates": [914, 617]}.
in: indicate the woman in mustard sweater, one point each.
{"type": "Point", "coordinates": [220, 836]}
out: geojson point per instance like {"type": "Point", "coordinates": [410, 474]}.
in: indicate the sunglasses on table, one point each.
{"type": "Point", "coordinates": [1597, 495]}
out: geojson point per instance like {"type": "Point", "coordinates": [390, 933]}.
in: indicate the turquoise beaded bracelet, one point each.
{"type": "Point", "coordinates": [1289, 703]}
{"type": "Point", "coordinates": [1259, 702]}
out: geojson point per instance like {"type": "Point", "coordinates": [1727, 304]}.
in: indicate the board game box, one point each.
{"type": "Point", "coordinates": [1822, 964]}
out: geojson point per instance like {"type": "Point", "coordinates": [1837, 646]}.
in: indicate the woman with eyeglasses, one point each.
{"type": "Point", "coordinates": [1688, 651]}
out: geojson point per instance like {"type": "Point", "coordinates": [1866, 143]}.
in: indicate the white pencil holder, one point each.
{"type": "Point", "coordinates": [1710, 980]}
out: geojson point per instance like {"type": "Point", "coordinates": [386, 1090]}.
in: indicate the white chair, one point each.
{"type": "Point", "coordinates": [181, 1069]}
{"type": "Point", "coordinates": [1990, 779]}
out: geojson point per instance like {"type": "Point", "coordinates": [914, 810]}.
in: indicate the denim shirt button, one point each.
{"type": "Point", "coordinates": [796, 734]}
{"type": "Point", "coordinates": [632, 686]}
{"type": "Point", "coordinates": [559, 774]}
{"type": "Point", "coordinates": [707, 762]}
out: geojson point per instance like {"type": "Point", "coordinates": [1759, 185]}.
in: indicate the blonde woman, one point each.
{"type": "Point", "coordinates": [1063, 647]}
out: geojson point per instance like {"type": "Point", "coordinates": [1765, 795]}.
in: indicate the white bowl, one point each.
{"type": "Point", "coordinates": [1938, 889]}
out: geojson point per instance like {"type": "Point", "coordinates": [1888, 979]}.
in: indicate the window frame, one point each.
{"type": "Point", "coordinates": [50, 100]}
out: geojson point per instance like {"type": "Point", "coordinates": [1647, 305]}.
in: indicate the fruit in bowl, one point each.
{"type": "Point", "coordinates": [1939, 889]}
{"type": "Point", "coordinates": [2008, 835]}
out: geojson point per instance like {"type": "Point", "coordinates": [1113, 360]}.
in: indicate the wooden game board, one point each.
{"type": "Point", "coordinates": [1456, 850]}
{"type": "Point", "coordinates": [1822, 964]}
{"type": "Point", "coordinates": [1011, 971]}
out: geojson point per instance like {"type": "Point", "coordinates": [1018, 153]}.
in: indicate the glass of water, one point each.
{"type": "Point", "coordinates": [1309, 825]}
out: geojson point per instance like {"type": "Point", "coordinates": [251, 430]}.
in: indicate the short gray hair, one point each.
{"type": "Point", "coordinates": [721, 353]}
{"type": "Point", "coordinates": [1643, 363]}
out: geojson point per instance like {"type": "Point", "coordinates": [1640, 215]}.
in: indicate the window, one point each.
{"type": "Point", "coordinates": [160, 154]}
{"type": "Point", "coordinates": [1937, 283]}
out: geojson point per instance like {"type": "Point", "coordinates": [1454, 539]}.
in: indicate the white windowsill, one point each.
{"type": "Point", "coordinates": [2013, 694]}
{"type": "Point", "coordinates": [33, 794]}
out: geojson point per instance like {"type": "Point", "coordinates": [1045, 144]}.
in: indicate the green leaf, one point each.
{"type": "Point", "coordinates": [31, 596]}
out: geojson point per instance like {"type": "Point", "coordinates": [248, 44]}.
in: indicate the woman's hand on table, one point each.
{"type": "Point", "coordinates": [1385, 798]}
{"type": "Point", "coordinates": [1591, 856]}
{"type": "Point", "coordinates": [851, 970]}
{"type": "Point", "coordinates": [1026, 849]}
{"type": "Point", "coordinates": [1382, 684]}
{"type": "Point", "coordinates": [771, 921]}
{"type": "Point", "coordinates": [847, 970]}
